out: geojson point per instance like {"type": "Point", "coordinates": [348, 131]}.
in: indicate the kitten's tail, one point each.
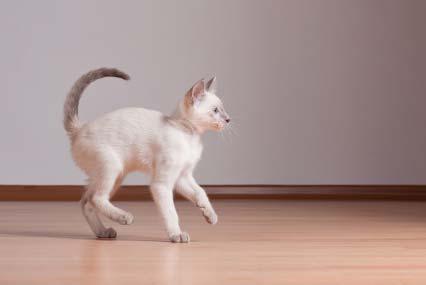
{"type": "Point", "coordinates": [71, 122]}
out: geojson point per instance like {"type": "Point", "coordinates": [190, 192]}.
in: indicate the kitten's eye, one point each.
{"type": "Point", "coordinates": [216, 110]}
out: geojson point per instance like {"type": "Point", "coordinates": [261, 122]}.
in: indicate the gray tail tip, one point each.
{"type": "Point", "coordinates": [126, 76]}
{"type": "Point", "coordinates": [118, 73]}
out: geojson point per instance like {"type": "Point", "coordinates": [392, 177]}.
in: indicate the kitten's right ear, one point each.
{"type": "Point", "coordinates": [211, 85]}
{"type": "Point", "coordinates": [195, 93]}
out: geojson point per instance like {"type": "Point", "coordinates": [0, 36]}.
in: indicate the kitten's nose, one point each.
{"type": "Point", "coordinates": [227, 120]}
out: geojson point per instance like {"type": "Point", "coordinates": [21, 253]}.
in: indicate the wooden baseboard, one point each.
{"type": "Point", "coordinates": [137, 193]}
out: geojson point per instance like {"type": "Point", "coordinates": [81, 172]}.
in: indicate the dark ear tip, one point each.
{"type": "Point", "coordinates": [211, 83]}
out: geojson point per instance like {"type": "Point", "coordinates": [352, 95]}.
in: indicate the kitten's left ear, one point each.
{"type": "Point", "coordinates": [211, 85]}
{"type": "Point", "coordinates": [195, 93]}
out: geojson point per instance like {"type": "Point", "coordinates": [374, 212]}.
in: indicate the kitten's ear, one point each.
{"type": "Point", "coordinates": [196, 92]}
{"type": "Point", "coordinates": [211, 85]}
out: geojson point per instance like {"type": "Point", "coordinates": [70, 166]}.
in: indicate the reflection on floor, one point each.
{"type": "Point", "coordinates": [255, 242]}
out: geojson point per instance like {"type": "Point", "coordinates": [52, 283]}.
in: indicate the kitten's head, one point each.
{"type": "Point", "coordinates": [203, 108]}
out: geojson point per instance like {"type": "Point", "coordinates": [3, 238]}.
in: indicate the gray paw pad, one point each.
{"type": "Point", "coordinates": [108, 233]}
{"type": "Point", "coordinates": [180, 238]}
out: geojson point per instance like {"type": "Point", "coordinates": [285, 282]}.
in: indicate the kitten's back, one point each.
{"type": "Point", "coordinates": [123, 125]}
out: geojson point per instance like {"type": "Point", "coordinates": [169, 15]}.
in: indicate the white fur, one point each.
{"type": "Point", "coordinates": [166, 148]}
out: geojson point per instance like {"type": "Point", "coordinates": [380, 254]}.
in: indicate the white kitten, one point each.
{"type": "Point", "coordinates": [137, 139]}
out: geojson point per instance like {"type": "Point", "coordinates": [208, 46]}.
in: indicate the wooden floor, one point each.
{"type": "Point", "coordinates": [255, 242]}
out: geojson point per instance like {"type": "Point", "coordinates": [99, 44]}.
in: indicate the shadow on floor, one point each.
{"type": "Point", "coordinates": [64, 235]}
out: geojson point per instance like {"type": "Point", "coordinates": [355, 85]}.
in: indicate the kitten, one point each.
{"type": "Point", "coordinates": [136, 139]}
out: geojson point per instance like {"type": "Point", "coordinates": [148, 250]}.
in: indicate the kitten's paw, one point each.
{"type": "Point", "coordinates": [183, 237]}
{"type": "Point", "coordinates": [210, 216]}
{"type": "Point", "coordinates": [107, 233]}
{"type": "Point", "coordinates": [126, 219]}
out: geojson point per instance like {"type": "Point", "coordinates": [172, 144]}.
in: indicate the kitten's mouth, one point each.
{"type": "Point", "coordinates": [219, 126]}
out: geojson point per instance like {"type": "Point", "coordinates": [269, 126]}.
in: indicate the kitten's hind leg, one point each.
{"type": "Point", "coordinates": [101, 187]}
{"type": "Point", "coordinates": [92, 218]}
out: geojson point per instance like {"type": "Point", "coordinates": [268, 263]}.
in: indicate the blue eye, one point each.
{"type": "Point", "coordinates": [216, 110]}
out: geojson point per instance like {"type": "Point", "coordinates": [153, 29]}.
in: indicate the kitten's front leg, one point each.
{"type": "Point", "coordinates": [162, 192]}
{"type": "Point", "coordinates": [189, 188]}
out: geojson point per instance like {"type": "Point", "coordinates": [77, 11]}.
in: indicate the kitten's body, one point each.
{"type": "Point", "coordinates": [136, 139]}
{"type": "Point", "coordinates": [136, 144]}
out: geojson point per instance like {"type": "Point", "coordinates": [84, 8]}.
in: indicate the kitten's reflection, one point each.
{"type": "Point", "coordinates": [115, 261]}
{"type": "Point", "coordinates": [170, 268]}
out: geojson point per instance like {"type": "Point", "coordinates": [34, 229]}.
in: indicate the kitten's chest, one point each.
{"type": "Point", "coordinates": [193, 152]}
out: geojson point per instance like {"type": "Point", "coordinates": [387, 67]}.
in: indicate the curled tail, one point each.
{"type": "Point", "coordinates": [71, 123]}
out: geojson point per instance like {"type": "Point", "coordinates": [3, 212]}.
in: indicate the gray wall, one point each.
{"type": "Point", "coordinates": [321, 91]}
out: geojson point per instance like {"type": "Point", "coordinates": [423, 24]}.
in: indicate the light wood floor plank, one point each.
{"type": "Point", "coordinates": [255, 242]}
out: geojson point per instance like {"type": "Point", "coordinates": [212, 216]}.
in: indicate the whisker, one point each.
{"type": "Point", "coordinates": [222, 136]}
{"type": "Point", "coordinates": [225, 134]}
{"type": "Point", "coordinates": [232, 131]}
